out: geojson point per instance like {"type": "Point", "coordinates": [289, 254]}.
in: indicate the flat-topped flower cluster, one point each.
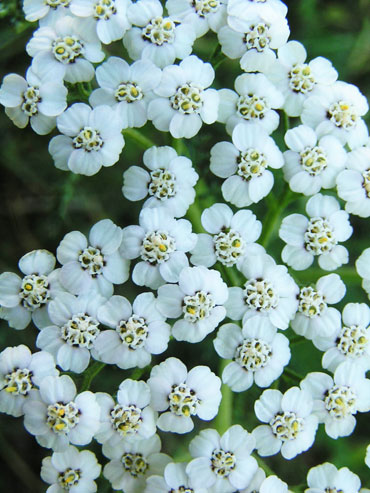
{"type": "Point", "coordinates": [192, 280]}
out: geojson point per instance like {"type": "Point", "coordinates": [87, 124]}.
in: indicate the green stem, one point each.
{"type": "Point", "coordinates": [293, 374]}
{"type": "Point", "coordinates": [90, 374]}
{"type": "Point", "coordinates": [264, 466]}
{"type": "Point", "coordinates": [224, 419]}
{"type": "Point", "coordinates": [348, 274]}
{"type": "Point", "coordinates": [180, 147]}
{"type": "Point", "coordinates": [272, 217]}
{"type": "Point", "coordinates": [140, 139]}
{"type": "Point", "coordinates": [297, 340]}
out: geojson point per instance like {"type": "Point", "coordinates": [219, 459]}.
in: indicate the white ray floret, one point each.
{"type": "Point", "coordinates": [110, 17]}
{"type": "Point", "coordinates": [66, 48]}
{"type": "Point", "coordinates": [20, 375]}
{"type": "Point", "coordinates": [254, 100]}
{"type": "Point", "coordinates": [74, 331]}
{"type": "Point", "coordinates": [91, 139]}
{"type": "Point", "coordinates": [198, 298]}
{"type": "Point", "coordinates": [244, 163]}
{"type": "Point", "coordinates": [94, 263]}
{"type": "Point", "coordinates": [269, 291]}
{"type": "Point", "coordinates": [338, 399]}
{"type": "Point", "coordinates": [71, 470]}
{"type": "Point", "coordinates": [184, 101]}
{"type": "Point", "coordinates": [25, 299]}
{"type": "Point", "coordinates": [314, 318]}
{"type": "Point", "coordinates": [222, 463]}
{"type": "Point", "coordinates": [232, 236]}
{"type": "Point", "coordinates": [38, 9]}
{"type": "Point", "coordinates": [326, 477]}
{"type": "Point", "coordinates": [132, 462]}
{"type": "Point", "coordinates": [312, 163]}
{"type": "Point", "coordinates": [317, 236]}
{"type": "Point", "coordinates": [138, 331]}
{"type": "Point", "coordinates": [244, 9]}
{"type": "Point", "coordinates": [179, 395]}
{"type": "Point", "coordinates": [291, 425]}
{"type": "Point", "coordinates": [155, 37]}
{"type": "Point", "coordinates": [161, 242]}
{"type": "Point", "coordinates": [174, 479]}
{"type": "Point", "coordinates": [169, 181]}
{"type": "Point", "coordinates": [37, 100]}
{"type": "Point", "coordinates": [126, 88]}
{"type": "Point", "coordinates": [130, 417]}
{"type": "Point", "coordinates": [257, 351]}
{"type": "Point", "coordinates": [60, 416]}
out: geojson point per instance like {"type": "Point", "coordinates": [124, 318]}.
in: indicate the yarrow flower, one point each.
{"type": "Point", "coordinates": [184, 101]}
{"type": "Point", "coordinates": [291, 425]}
{"type": "Point", "coordinates": [126, 88]}
{"type": "Point", "coordinates": [38, 9]}
{"type": "Point", "coordinates": [138, 331]}
{"type": "Point", "coordinates": [244, 164]}
{"type": "Point", "coordinates": [20, 375]}
{"type": "Point", "coordinates": [363, 269]}
{"type": "Point", "coordinates": [91, 139]}
{"type": "Point", "coordinates": [174, 479]}
{"type": "Point", "coordinates": [94, 264]}
{"type": "Point", "coordinates": [338, 399]}
{"type": "Point", "coordinates": [222, 463]}
{"type": "Point", "coordinates": [23, 299]}
{"type": "Point", "coordinates": [70, 470]}
{"type": "Point", "coordinates": [180, 394]}
{"type": "Point", "coordinates": [317, 236]}
{"type": "Point", "coordinates": [231, 239]}
{"type": "Point", "coordinates": [198, 297]}
{"type": "Point", "coordinates": [169, 181]}
{"type": "Point", "coordinates": [38, 99]}
{"type": "Point", "coordinates": [258, 352]}
{"type": "Point", "coordinates": [326, 477]}
{"type": "Point", "coordinates": [161, 242]}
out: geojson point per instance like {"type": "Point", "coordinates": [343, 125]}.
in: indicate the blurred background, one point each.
{"type": "Point", "coordinates": [40, 204]}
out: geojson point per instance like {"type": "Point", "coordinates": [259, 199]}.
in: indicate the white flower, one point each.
{"type": "Point", "coordinates": [182, 394]}
{"type": "Point", "coordinates": [258, 352]}
{"type": "Point", "coordinates": [298, 80]}
{"type": "Point", "coordinates": [37, 9]}
{"type": "Point", "coordinates": [314, 318]}
{"type": "Point", "coordinates": [132, 462]}
{"type": "Point", "coordinates": [291, 425]}
{"type": "Point", "coordinates": [159, 39]}
{"type": "Point", "coordinates": [367, 458]}
{"type": "Point", "coordinates": [312, 163]}
{"type": "Point", "coordinates": [337, 111]}
{"type": "Point", "coordinates": [20, 374]}
{"type": "Point", "coordinates": [110, 17]}
{"type": "Point", "coordinates": [71, 470]}
{"type": "Point", "coordinates": [317, 236]}
{"type": "Point", "coordinates": [93, 264]}
{"type": "Point", "coordinates": [202, 15]}
{"type": "Point", "coordinates": [245, 9]}
{"type": "Point", "coordinates": [174, 480]}
{"type": "Point", "coordinates": [59, 416]}
{"type": "Point", "coordinates": [138, 331]}
{"type": "Point", "coordinates": [184, 101]}
{"type": "Point", "coordinates": [327, 477]}
{"type": "Point", "coordinates": [38, 99]}
{"type": "Point", "coordinates": [199, 297]}
{"type": "Point", "coordinates": [66, 48]}
{"type": "Point", "coordinates": [169, 182]}
{"type": "Point", "coordinates": [269, 291]}
{"type": "Point", "coordinates": [91, 139]}
{"type": "Point", "coordinates": [126, 88]}
{"type": "Point", "coordinates": [350, 341]}
{"type": "Point", "coordinates": [254, 485]}
{"type": "Point", "coordinates": [131, 417]}
{"type": "Point", "coordinates": [231, 239]}
{"type": "Point", "coordinates": [244, 164]}
{"type": "Point", "coordinates": [23, 299]}
{"type": "Point", "coordinates": [363, 269]}
{"type": "Point", "coordinates": [337, 400]}
{"type": "Point", "coordinates": [271, 484]}
{"type": "Point", "coordinates": [223, 463]}
{"type": "Point", "coordinates": [74, 330]}
{"type": "Point", "coordinates": [354, 182]}
{"type": "Point", "coordinates": [161, 242]}
{"type": "Point", "coordinates": [255, 100]}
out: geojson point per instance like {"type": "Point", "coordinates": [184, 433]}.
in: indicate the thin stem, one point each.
{"type": "Point", "coordinates": [224, 419]}
{"type": "Point", "coordinates": [293, 374]}
{"type": "Point", "coordinates": [264, 466]}
{"type": "Point", "coordinates": [90, 374]}
{"type": "Point", "coordinates": [140, 139]}
{"type": "Point", "coordinates": [297, 340]}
